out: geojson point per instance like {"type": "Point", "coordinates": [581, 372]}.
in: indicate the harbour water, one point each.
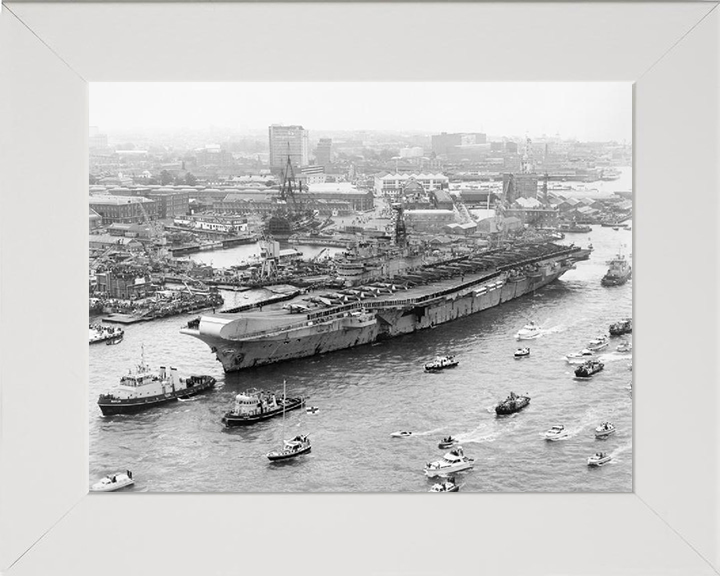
{"type": "Point", "coordinates": [365, 394]}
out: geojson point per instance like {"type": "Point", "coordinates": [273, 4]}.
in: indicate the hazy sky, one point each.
{"type": "Point", "coordinates": [587, 111]}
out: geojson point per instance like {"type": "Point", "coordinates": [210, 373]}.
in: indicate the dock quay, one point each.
{"type": "Point", "coordinates": [332, 241]}
{"type": "Point", "coordinates": [118, 318]}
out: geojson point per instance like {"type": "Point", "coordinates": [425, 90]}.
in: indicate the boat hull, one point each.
{"type": "Point", "coordinates": [434, 472]}
{"type": "Point", "coordinates": [280, 457]}
{"type": "Point", "coordinates": [240, 353]}
{"type": "Point", "coordinates": [111, 406]}
{"type": "Point", "coordinates": [504, 410]}
{"type": "Point", "coordinates": [231, 419]}
{"type": "Point", "coordinates": [615, 280]}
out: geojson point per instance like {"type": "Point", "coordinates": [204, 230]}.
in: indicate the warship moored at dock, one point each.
{"type": "Point", "coordinates": [374, 308]}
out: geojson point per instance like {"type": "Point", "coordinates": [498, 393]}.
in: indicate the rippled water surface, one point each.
{"type": "Point", "coordinates": [366, 393]}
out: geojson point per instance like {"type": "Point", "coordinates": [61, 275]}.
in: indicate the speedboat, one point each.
{"type": "Point", "coordinates": [441, 362]}
{"type": "Point", "coordinates": [513, 403]}
{"type": "Point", "coordinates": [113, 482]}
{"type": "Point", "coordinates": [557, 432]}
{"type": "Point", "coordinates": [447, 486]}
{"type": "Point", "coordinates": [588, 369]}
{"type": "Point", "coordinates": [448, 442]}
{"type": "Point", "coordinates": [624, 326]}
{"type": "Point", "coordinates": [401, 434]}
{"type": "Point", "coordinates": [291, 448]}
{"type": "Point", "coordinates": [522, 352]}
{"type": "Point", "coordinates": [624, 347]}
{"type": "Point", "coordinates": [528, 332]}
{"type": "Point", "coordinates": [579, 357]}
{"type": "Point", "coordinates": [453, 461]}
{"type": "Point", "coordinates": [598, 459]}
{"type": "Point", "coordinates": [598, 343]}
{"type": "Point", "coordinates": [604, 430]}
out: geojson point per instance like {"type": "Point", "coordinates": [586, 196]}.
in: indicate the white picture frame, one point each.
{"type": "Point", "coordinates": [670, 525]}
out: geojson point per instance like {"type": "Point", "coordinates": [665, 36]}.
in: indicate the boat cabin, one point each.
{"type": "Point", "coordinates": [254, 402]}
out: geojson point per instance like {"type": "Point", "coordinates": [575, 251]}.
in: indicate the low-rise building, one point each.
{"type": "Point", "coordinates": [391, 185]}
{"type": "Point", "coordinates": [123, 208]}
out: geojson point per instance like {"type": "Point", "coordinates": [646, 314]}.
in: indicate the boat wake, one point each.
{"type": "Point", "coordinates": [555, 329]}
{"type": "Point", "coordinates": [614, 357]}
{"type": "Point", "coordinates": [483, 434]}
{"type": "Point", "coordinates": [429, 432]}
{"type": "Point", "coordinates": [619, 450]}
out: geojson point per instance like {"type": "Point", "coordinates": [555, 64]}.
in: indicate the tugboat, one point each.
{"type": "Point", "coordinates": [113, 482]}
{"type": "Point", "coordinates": [598, 459]}
{"type": "Point", "coordinates": [555, 433]}
{"type": "Point", "coordinates": [144, 389]}
{"type": "Point", "coordinates": [579, 357]}
{"type": "Point", "coordinates": [99, 333]}
{"type": "Point", "coordinates": [255, 405]}
{"type": "Point", "coordinates": [604, 430]}
{"type": "Point", "coordinates": [598, 343]}
{"type": "Point", "coordinates": [447, 486]}
{"type": "Point", "coordinates": [588, 369]}
{"type": "Point", "coordinates": [528, 332]}
{"type": "Point", "coordinates": [290, 448]}
{"type": "Point", "coordinates": [453, 461]}
{"type": "Point", "coordinates": [440, 363]}
{"type": "Point", "coordinates": [448, 442]}
{"type": "Point", "coordinates": [513, 403]}
{"type": "Point", "coordinates": [522, 352]}
{"type": "Point", "coordinates": [618, 273]}
{"type": "Point", "coordinates": [622, 327]}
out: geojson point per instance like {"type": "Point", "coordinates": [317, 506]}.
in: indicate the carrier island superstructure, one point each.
{"type": "Point", "coordinates": [388, 294]}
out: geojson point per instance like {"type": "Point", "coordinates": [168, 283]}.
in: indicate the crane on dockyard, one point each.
{"type": "Point", "coordinates": [157, 239]}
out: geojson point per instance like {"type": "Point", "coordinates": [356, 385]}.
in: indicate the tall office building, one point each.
{"type": "Point", "coordinates": [324, 151]}
{"type": "Point", "coordinates": [284, 140]}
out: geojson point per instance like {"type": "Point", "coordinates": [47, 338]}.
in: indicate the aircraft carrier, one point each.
{"type": "Point", "coordinates": [383, 299]}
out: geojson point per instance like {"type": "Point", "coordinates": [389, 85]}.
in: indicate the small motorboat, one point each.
{"type": "Point", "coordinates": [291, 448]}
{"type": "Point", "coordinates": [529, 331]}
{"type": "Point", "coordinates": [447, 486]}
{"type": "Point", "coordinates": [598, 343]}
{"type": "Point", "coordinates": [604, 430]}
{"type": "Point", "coordinates": [440, 363]}
{"type": "Point", "coordinates": [312, 410]}
{"type": "Point", "coordinates": [448, 442]}
{"type": "Point", "coordinates": [401, 434]}
{"type": "Point", "coordinates": [579, 357]}
{"type": "Point", "coordinates": [598, 459]}
{"type": "Point", "coordinates": [522, 352]}
{"type": "Point", "coordinates": [555, 433]}
{"type": "Point", "coordinates": [625, 347]}
{"type": "Point", "coordinates": [113, 482]}
{"type": "Point", "coordinates": [115, 340]}
{"type": "Point", "coordinates": [588, 369]}
{"type": "Point", "coordinates": [624, 326]}
{"type": "Point", "coordinates": [453, 461]}
{"type": "Point", "coordinates": [513, 403]}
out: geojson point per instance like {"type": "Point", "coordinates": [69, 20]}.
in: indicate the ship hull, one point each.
{"type": "Point", "coordinates": [390, 322]}
{"type": "Point", "coordinates": [110, 407]}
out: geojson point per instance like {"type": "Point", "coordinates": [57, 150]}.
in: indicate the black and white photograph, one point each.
{"type": "Point", "coordinates": [360, 287]}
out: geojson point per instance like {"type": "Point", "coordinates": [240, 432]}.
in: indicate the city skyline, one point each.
{"type": "Point", "coordinates": [583, 111]}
